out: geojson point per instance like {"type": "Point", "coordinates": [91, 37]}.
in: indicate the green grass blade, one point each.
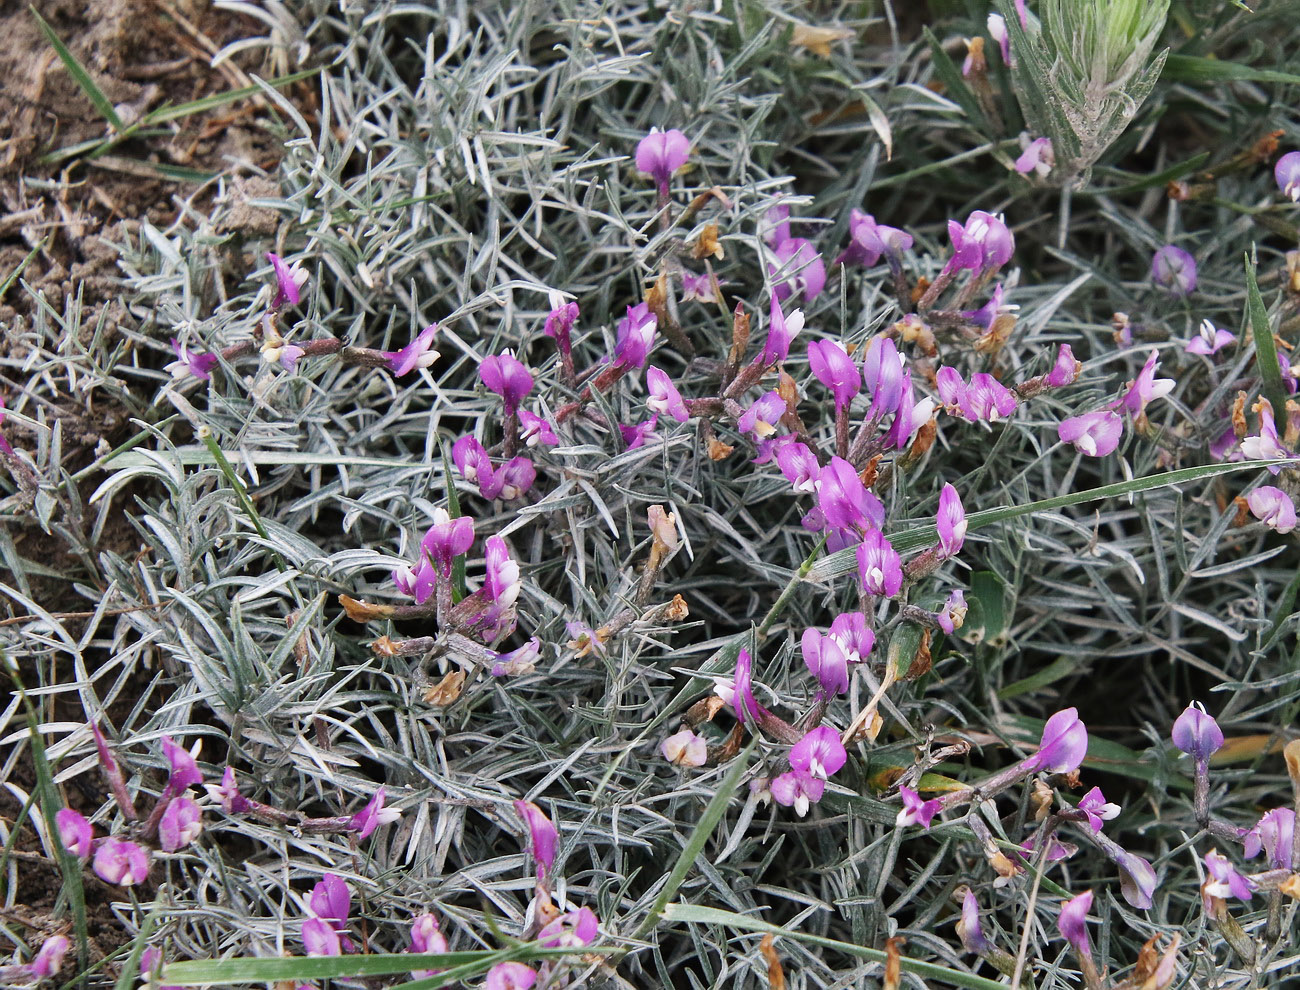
{"type": "Point", "coordinates": [179, 110]}
{"type": "Point", "coordinates": [1261, 327]}
{"type": "Point", "coordinates": [79, 74]}
{"type": "Point", "coordinates": [729, 919]}
{"type": "Point", "coordinates": [1195, 69]}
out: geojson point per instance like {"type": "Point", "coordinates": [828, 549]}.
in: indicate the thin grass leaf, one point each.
{"type": "Point", "coordinates": [78, 73]}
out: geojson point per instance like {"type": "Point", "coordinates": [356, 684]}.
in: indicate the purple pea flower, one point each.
{"type": "Point", "coordinates": [573, 930]}
{"type": "Point", "coordinates": [1066, 369]}
{"type": "Point", "coordinates": [879, 567]}
{"type": "Point", "coordinates": [1223, 881]}
{"type": "Point", "coordinates": [1073, 923]}
{"type": "Point", "coordinates": [849, 631]}
{"type": "Point", "coordinates": [819, 753]}
{"type": "Point", "coordinates": [661, 153]}
{"type": "Point", "coordinates": [181, 824]}
{"type": "Point", "coordinates": [915, 811]}
{"type": "Point", "coordinates": [74, 832]}
{"type": "Point", "coordinates": [636, 335]}
{"type": "Point", "coordinates": [1064, 743]}
{"type": "Point", "coordinates": [374, 814]}
{"type": "Point", "coordinates": [664, 399]}
{"type": "Point", "coordinates": [543, 836]}
{"type": "Point", "coordinates": [825, 658]}
{"type": "Point", "coordinates": [49, 960]}
{"type": "Point", "coordinates": [909, 416]}
{"type": "Point", "coordinates": [1197, 734]}
{"type": "Point", "coordinates": [797, 790]}
{"type": "Point", "coordinates": [698, 288]}
{"type": "Point", "coordinates": [534, 430]}
{"type": "Point", "coordinates": [1174, 270]}
{"type": "Point", "coordinates": [184, 770]}
{"type": "Point", "coordinates": [1265, 445]}
{"type": "Point", "coordinates": [882, 373]}
{"type": "Point", "coordinates": [869, 240]}
{"type": "Point", "coordinates": [507, 376]}
{"type": "Point", "coordinates": [416, 582]}
{"type": "Point", "coordinates": [501, 583]}
{"type": "Point", "coordinates": [761, 419]}
{"type": "Point", "coordinates": [743, 702]}
{"type": "Point", "coordinates": [846, 505]}
{"type": "Point", "coordinates": [637, 434]}
{"type": "Point", "coordinates": [510, 976]}
{"type": "Point", "coordinates": [1095, 434]}
{"type": "Point", "coordinates": [419, 353]}
{"type": "Point", "coordinates": [987, 399]}
{"type": "Point", "coordinates": [1209, 339]}
{"type": "Point", "coordinates": [521, 660]}
{"type": "Point", "coordinates": [1038, 157]}
{"type": "Point", "coordinates": [685, 749]}
{"type": "Point", "coordinates": [799, 465]}
{"type": "Point", "coordinates": [1094, 805]}
{"type": "Point", "coordinates": [803, 268]}
{"type": "Point", "coordinates": [289, 280]}
{"type": "Point", "coordinates": [191, 363]}
{"type": "Point", "coordinates": [426, 940]}
{"type": "Point", "coordinates": [1146, 387]}
{"type": "Point", "coordinates": [997, 26]}
{"type": "Point", "coordinates": [983, 244]}
{"type": "Point", "coordinates": [833, 367]}
{"type": "Point", "coordinates": [227, 793]}
{"type": "Point", "coordinates": [514, 478]}
{"type": "Point", "coordinates": [952, 389]}
{"type": "Point", "coordinates": [986, 314]}
{"type": "Point", "coordinates": [953, 614]}
{"type": "Point", "coordinates": [1287, 173]}
{"type": "Point", "coordinates": [951, 522]}
{"type": "Point", "coordinates": [320, 939]}
{"type": "Point", "coordinates": [1137, 879]}
{"type": "Point", "coordinates": [331, 901]}
{"type": "Point", "coordinates": [446, 540]}
{"type": "Point", "coordinates": [1273, 507]}
{"type": "Point", "coordinates": [472, 461]}
{"type": "Point", "coordinates": [1273, 835]}
{"type": "Point", "coordinates": [560, 320]}
{"type": "Point", "coordinates": [121, 862]}
{"type": "Point", "coordinates": [782, 331]}
{"type": "Point", "coordinates": [969, 929]}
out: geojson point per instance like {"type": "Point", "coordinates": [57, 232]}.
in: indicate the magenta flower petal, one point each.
{"type": "Point", "coordinates": [1064, 743]}
{"type": "Point", "coordinates": [951, 522]}
{"type": "Point", "coordinates": [1287, 173]}
{"type": "Point", "coordinates": [1095, 434]}
{"type": "Point", "coordinates": [121, 862]}
{"type": "Point", "coordinates": [74, 832]}
{"type": "Point", "coordinates": [1273, 507]}
{"type": "Point", "coordinates": [661, 153]}
{"type": "Point", "coordinates": [181, 824]}
{"type": "Point", "coordinates": [664, 399]}
{"type": "Point", "coordinates": [1072, 923]}
{"type": "Point", "coordinates": [879, 566]}
{"type": "Point", "coordinates": [419, 353]}
{"type": "Point", "coordinates": [543, 836]}
{"type": "Point", "coordinates": [819, 753]}
{"type": "Point", "coordinates": [915, 811]}
{"type": "Point", "coordinates": [507, 376]}
{"type": "Point", "coordinates": [320, 939]}
{"type": "Point", "coordinates": [510, 976]}
{"type": "Point", "coordinates": [1175, 270]}
{"type": "Point", "coordinates": [797, 790]}
{"type": "Point", "coordinates": [289, 280]}
{"type": "Point", "coordinates": [1197, 734]}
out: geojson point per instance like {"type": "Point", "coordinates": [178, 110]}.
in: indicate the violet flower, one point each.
{"type": "Point", "coordinates": [782, 331]}
{"type": "Point", "coordinates": [825, 658]}
{"type": "Point", "coordinates": [1273, 507]}
{"type": "Point", "coordinates": [191, 363]}
{"type": "Point", "coordinates": [1174, 270]}
{"type": "Point", "coordinates": [121, 862]}
{"type": "Point", "coordinates": [227, 793]}
{"type": "Point", "coordinates": [181, 824]}
{"type": "Point", "coordinates": [1072, 923]}
{"type": "Point", "coordinates": [743, 702]}
{"type": "Point", "coordinates": [869, 240]}
{"type": "Point", "coordinates": [983, 244]}
{"type": "Point", "coordinates": [819, 753]}
{"type": "Point", "coordinates": [797, 790]}
{"type": "Point", "coordinates": [986, 314]}
{"type": "Point", "coordinates": [510, 976]}
{"type": "Point", "coordinates": [1095, 434]}
{"type": "Point", "coordinates": [953, 614]}
{"type": "Point", "coordinates": [289, 280]}
{"type": "Point", "coordinates": [1287, 173]}
{"type": "Point", "coordinates": [1094, 805]}
{"type": "Point", "coordinates": [833, 367]}
{"type": "Point", "coordinates": [1066, 369]}
{"type": "Point", "coordinates": [184, 770]}
{"type": "Point", "coordinates": [987, 399]}
{"type": "Point", "coordinates": [521, 660]}
{"type": "Point", "coordinates": [560, 321]}
{"type": "Point", "coordinates": [419, 353]}
{"type": "Point", "coordinates": [320, 939]}
{"type": "Point", "coordinates": [637, 434]}
{"type": "Point", "coordinates": [698, 288]}
{"type": "Point", "coordinates": [1265, 445]}
{"type": "Point", "coordinates": [534, 430]}
{"type": "Point", "coordinates": [49, 960]}
{"type": "Point", "coordinates": [331, 901]}
{"type": "Point", "coordinates": [951, 387]}
{"type": "Point", "coordinates": [1223, 880]}
{"type": "Point", "coordinates": [882, 373]}
{"type": "Point", "coordinates": [915, 811]}
{"type": "Point", "coordinates": [374, 814]}
{"type": "Point", "coordinates": [664, 399]}
{"type": "Point", "coordinates": [446, 539]}
{"type": "Point", "coordinates": [909, 416]}
{"type": "Point", "coordinates": [1038, 157]}
{"type": "Point", "coordinates": [636, 335]}
{"type": "Point", "coordinates": [1273, 835]}
{"type": "Point", "coordinates": [879, 566]}
{"type": "Point", "coordinates": [1146, 387]}
{"type": "Point", "coordinates": [969, 929]}
{"type": "Point", "coordinates": [685, 749]}
{"type": "Point", "coordinates": [761, 418]}
{"type": "Point", "coordinates": [501, 583]}
{"type": "Point", "coordinates": [849, 631]}
{"type": "Point", "coordinates": [846, 506]}
{"type": "Point", "coordinates": [661, 153]}
{"type": "Point", "coordinates": [1064, 743]}
{"type": "Point", "coordinates": [950, 522]}
{"type": "Point", "coordinates": [543, 836]}
{"type": "Point", "coordinates": [508, 377]}
{"type": "Point", "coordinates": [74, 832]}
{"type": "Point", "coordinates": [472, 461]}
{"type": "Point", "coordinates": [1137, 879]}
{"type": "Point", "coordinates": [799, 465]}
{"type": "Point", "coordinates": [1197, 734]}
{"type": "Point", "coordinates": [426, 940]}
{"type": "Point", "coordinates": [803, 268]}
{"type": "Point", "coordinates": [997, 27]}
{"type": "Point", "coordinates": [573, 930]}
{"type": "Point", "coordinates": [513, 479]}
{"type": "Point", "coordinates": [1209, 339]}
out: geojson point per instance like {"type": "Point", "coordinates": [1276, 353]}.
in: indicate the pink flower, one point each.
{"type": "Point", "coordinates": [1287, 174]}
{"type": "Point", "coordinates": [426, 940]}
{"type": "Point", "coordinates": [915, 811]}
{"type": "Point", "coordinates": [560, 321]}
{"type": "Point", "coordinates": [952, 389]}
{"type": "Point", "coordinates": [827, 662]}
{"type": "Point", "coordinates": [799, 465]}
{"type": "Point", "coordinates": [543, 836]}
{"type": "Point", "coordinates": [685, 749]}
{"type": "Point", "coordinates": [997, 26]}
{"type": "Point", "coordinates": [1265, 446]}
{"type": "Point", "coordinates": [987, 399]}
{"type": "Point", "coordinates": [637, 434]}
{"type": "Point", "coordinates": [507, 376]}
{"type": "Point", "coordinates": [184, 770]}
{"type": "Point", "coordinates": [521, 660]}
{"type": "Point", "coordinates": [331, 900]}
{"type": "Point", "coordinates": [191, 362]}
{"type": "Point", "coordinates": [374, 814]}
{"type": "Point", "coordinates": [534, 430]}
{"type": "Point", "coordinates": [799, 268]}
{"type": "Point", "coordinates": [664, 399]}
{"type": "Point", "coordinates": [797, 790]}
{"type": "Point", "coordinates": [953, 614]}
{"type": "Point", "coordinates": [446, 539]}
{"type": "Point", "coordinates": [1209, 339]}
{"type": "Point", "coordinates": [819, 753]}
{"type": "Point", "coordinates": [1146, 387]}
{"type": "Point", "coordinates": [1273, 835]}
{"type": "Point", "coordinates": [984, 244]}
{"type": "Point", "coordinates": [289, 280]}
{"type": "Point", "coordinates": [49, 960]}
{"type": "Point", "coordinates": [1066, 369]}
{"type": "Point", "coordinates": [320, 939]}
{"type": "Point", "coordinates": [743, 702]}
{"type": "Point", "coordinates": [1273, 507]}
{"type": "Point", "coordinates": [419, 353]}
{"type": "Point", "coordinates": [850, 633]}
{"type": "Point", "coordinates": [180, 825]}
{"type": "Point", "coordinates": [1197, 734]}
{"type": "Point", "coordinates": [571, 931]}
{"type": "Point", "coordinates": [1223, 881]}
{"type": "Point", "coordinates": [227, 793]}
{"type": "Point", "coordinates": [698, 288]}
{"type": "Point", "coordinates": [951, 522]}
{"type": "Point", "coordinates": [510, 976]}
{"type": "Point", "coordinates": [121, 862]}
{"type": "Point", "coordinates": [1038, 155]}
{"type": "Point", "coordinates": [1175, 270]}
{"type": "Point", "coordinates": [761, 418]}
{"type": "Point", "coordinates": [74, 832]}
{"type": "Point", "coordinates": [879, 566]}
{"type": "Point", "coordinates": [969, 929]}
{"type": "Point", "coordinates": [1094, 805]}
{"type": "Point", "coordinates": [1072, 923]}
{"type": "Point", "coordinates": [835, 369]}
{"type": "Point", "coordinates": [844, 500]}
{"type": "Point", "coordinates": [868, 240]}
{"type": "Point", "coordinates": [1064, 743]}
{"type": "Point", "coordinates": [781, 332]}
{"type": "Point", "coordinates": [636, 335]}
{"type": "Point", "coordinates": [1095, 434]}
{"type": "Point", "coordinates": [882, 373]}
{"type": "Point", "coordinates": [659, 154]}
